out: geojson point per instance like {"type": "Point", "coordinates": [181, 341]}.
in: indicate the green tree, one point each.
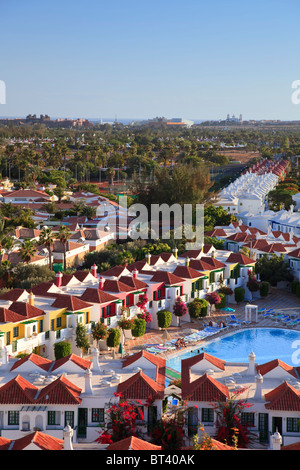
{"type": "Point", "coordinates": [82, 339]}
{"type": "Point", "coordinates": [63, 236]}
{"type": "Point", "coordinates": [27, 250]}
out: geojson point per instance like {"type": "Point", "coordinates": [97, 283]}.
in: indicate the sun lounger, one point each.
{"type": "Point", "coordinates": [233, 317]}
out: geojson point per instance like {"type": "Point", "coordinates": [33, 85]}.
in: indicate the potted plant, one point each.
{"type": "Point", "coordinates": [213, 299]}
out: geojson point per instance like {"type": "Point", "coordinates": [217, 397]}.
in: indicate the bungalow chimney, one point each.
{"type": "Point", "coordinates": [187, 261]}
{"type": "Point", "coordinates": [68, 433]}
{"type": "Point", "coordinates": [251, 367]}
{"type": "Point", "coordinates": [276, 441]}
{"type": "Point", "coordinates": [135, 273]}
{"type": "Point", "coordinates": [175, 251]}
{"type": "Point", "coordinates": [101, 283]}
{"type": "Point", "coordinates": [148, 257]}
{"type": "Point", "coordinates": [95, 354]}
{"type": "Point", "coordinates": [94, 270]}
{"type": "Point", "coordinates": [59, 279]}
{"type": "Point", "coordinates": [31, 298]}
{"type": "Point", "coordinates": [258, 392]}
{"type": "Point", "coordinates": [88, 382]}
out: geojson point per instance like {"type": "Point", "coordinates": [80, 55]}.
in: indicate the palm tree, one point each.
{"type": "Point", "coordinates": [6, 271]}
{"type": "Point", "coordinates": [63, 236]}
{"type": "Point", "coordinates": [46, 238]}
{"type": "Point", "coordinates": [27, 250]}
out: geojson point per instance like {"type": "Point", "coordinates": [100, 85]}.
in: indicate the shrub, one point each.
{"type": "Point", "coordinates": [294, 285]}
{"type": "Point", "coordinates": [239, 294]}
{"type": "Point", "coordinates": [126, 323]}
{"type": "Point", "coordinates": [179, 309]}
{"type": "Point", "coordinates": [222, 304]}
{"type": "Point", "coordinates": [225, 290]}
{"type": "Point", "coordinates": [297, 290]}
{"type": "Point", "coordinates": [264, 288]}
{"type": "Point", "coordinates": [198, 308]}
{"type": "Point", "coordinates": [213, 298]}
{"type": "Point", "coordinates": [62, 349]}
{"type": "Point", "coordinates": [164, 318]}
{"type": "Point", "coordinates": [139, 328]}
{"type": "Point", "coordinates": [113, 338]}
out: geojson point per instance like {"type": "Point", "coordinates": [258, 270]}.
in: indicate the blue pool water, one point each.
{"type": "Point", "coordinates": [266, 343]}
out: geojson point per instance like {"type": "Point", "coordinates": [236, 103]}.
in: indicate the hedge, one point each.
{"type": "Point", "coordinates": [239, 294]}
{"type": "Point", "coordinates": [139, 328]}
{"type": "Point", "coordinates": [113, 338]}
{"type": "Point", "coordinates": [264, 288]}
{"type": "Point", "coordinates": [198, 308]}
{"type": "Point", "coordinates": [222, 304]}
{"type": "Point", "coordinates": [164, 318]}
{"type": "Point", "coordinates": [62, 349]}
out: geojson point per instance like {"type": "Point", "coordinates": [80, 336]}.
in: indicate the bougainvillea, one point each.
{"type": "Point", "coordinates": [230, 430]}
{"type": "Point", "coordinates": [141, 304]}
{"type": "Point", "coordinates": [213, 298]}
{"type": "Point", "coordinates": [122, 420]}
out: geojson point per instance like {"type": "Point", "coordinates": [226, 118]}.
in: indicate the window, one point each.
{"type": "Point", "coordinates": [13, 417]}
{"type": "Point", "coordinates": [69, 418]}
{"type": "Point", "coordinates": [52, 325]}
{"type": "Point", "coordinates": [8, 337]}
{"type": "Point", "coordinates": [207, 415]}
{"type": "Point", "coordinates": [15, 331]}
{"type": "Point", "coordinates": [97, 415]}
{"type": "Point", "coordinates": [58, 322]}
{"type": "Point", "coordinates": [158, 294]}
{"type": "Point", "coordinates": [41, 326]}
{"type": "Point", "coordinates": [292, 425]}
{"type": "Point", "coordinates": [108, 310]}
{"type": "Point", "coordinates": [53, 418]}
{"type": "Point", "coordinates": [86, 317]}
{"type": "Point", "coordinates": [247, 419]}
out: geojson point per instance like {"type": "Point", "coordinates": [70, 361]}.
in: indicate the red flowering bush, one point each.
{"type": "Point", "coordinates": [122, 419]}
{"type": "Point", "coordinates": [168, 434]}
{"type": "Point", "coordinates": [213, 298]}
{"type": "Point", "coordinates": [230, 430]}
{"type": "Point", "coordinates": [180, 309]}
{"type": "Point", "coordinates": [145, 316]}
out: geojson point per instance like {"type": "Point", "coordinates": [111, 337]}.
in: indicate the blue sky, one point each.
{"type": "Point", "coordinates": [139, 59]}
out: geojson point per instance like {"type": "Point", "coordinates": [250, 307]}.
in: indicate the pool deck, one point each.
{"type": "Point", "coordinates": [280, 301]}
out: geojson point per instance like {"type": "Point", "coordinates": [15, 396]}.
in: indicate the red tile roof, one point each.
{"type": "Point", "coordinates": [60, 392]}
{"type": "Point", "coordinates": [140, 386]}
{"type": "Point", "coordinates": [159, 362]}
{"type": "Point", "coordinates": [205, 388]}
{"type": "Point", "coordinates": [213, 261]}
{"type": "Point", "coordinates": [97, 296]}
{"type": "Point", "coordinates": [115, 271]}
{"type": "Point", "coordinates": [25, 309]}
{"type": "Point", "coordinates": [240, 258]}
{"type": "Point", "coordinates": [294, 253]}
{"type": "Point", "coordinates": [200, 265]}
{"type": "Point", "coordinates": [5, 443]}
{"type": "Point", "coordinates": [136, 284]}
{"type": "Point", "coordinates": [79, 361]}
{"type": "Point", "coordinates": [13, 294]}
{"type": "Point", "coordinates": [70, 302]}
{"type": "Point", "coordinates": [114, 285]}
{"type": "Point", "coordinates": [8, 316]}
{"type": "Point", "coordinates": [40, 439]}
{"type": "Point", "coordinates": [132, 443]}
{"type": "Point", "coordinates": [167, 278]}
{"type": "Point", "coordinates": [17, 391]}
{"type": "Point", "coordinates": [39, 361]}
{"type": "Point", "coordinates": [268, 366]}
{"type": "Point", "coordinates": [186, 272]}
{"type": "Point", "coordinates": [283, 398]}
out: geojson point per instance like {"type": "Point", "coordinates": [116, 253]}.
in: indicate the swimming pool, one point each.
{"type": "Point", "coordinates": [266, 343]}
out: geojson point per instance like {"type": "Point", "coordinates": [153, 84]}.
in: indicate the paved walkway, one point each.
{"type": "Point", "coordinates": [280, 301]}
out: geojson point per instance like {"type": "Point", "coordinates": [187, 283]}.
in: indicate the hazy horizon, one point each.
{"type": "Point", "coordinates": [133, 58]}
